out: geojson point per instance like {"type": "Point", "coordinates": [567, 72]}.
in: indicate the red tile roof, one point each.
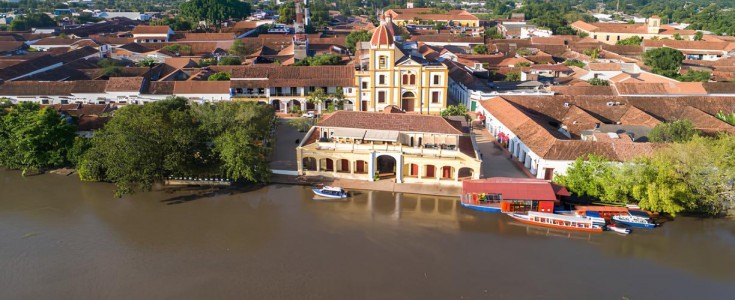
{"type": "Point", "coordinates": [381, 37]}
{"type": "Point", "coordinates": [395, 122]}
{"type": "Point", "coordinates": [146, 29]}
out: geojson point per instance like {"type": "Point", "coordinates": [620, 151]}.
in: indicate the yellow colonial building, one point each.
{"type": "Point", "coordinates": [389, 75]}
{"type": "Point", "coordinates": [393, 146]}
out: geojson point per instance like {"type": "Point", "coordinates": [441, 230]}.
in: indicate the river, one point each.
{"type": "Point", "coordinates": [64, 239]}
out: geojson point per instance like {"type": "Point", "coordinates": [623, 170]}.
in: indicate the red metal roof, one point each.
{"type": "Point", "coordinates": [515, 188]}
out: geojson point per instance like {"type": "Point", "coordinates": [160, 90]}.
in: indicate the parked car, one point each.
{"type": "Point", "coordinates": [309, 115]}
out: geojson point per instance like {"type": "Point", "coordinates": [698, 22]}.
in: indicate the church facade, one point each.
{"type": "Point", "coordinates": [388, 75]}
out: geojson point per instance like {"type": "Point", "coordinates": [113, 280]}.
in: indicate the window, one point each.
{"type": "Point", "coordinates": [618, 38]}
{"type": "Point", "coordinates": [381, 97]}
{"type": "Point", "coordinates": [412, 79]}
{"type": "Point", "coordinates": [434, 97]}
{"type": "Point", "coordinates": [349, 90]}
{"type": "Point", "coordinates": [383, 62]}
{"type": "Point", "coordinates": [364, 85]}
{"type": "Point", "coordinates": [404, 79]}
{"type": "Point", "coordinates": [381, 79]}
{"type": "Point", "coordinates": [436, 79]}
{"type": "Point", "coordinates": [607, 38]}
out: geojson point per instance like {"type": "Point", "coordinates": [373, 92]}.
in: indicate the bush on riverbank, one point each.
{"type": "Point", "coordinates": [33, 138]}
{"type": "Point", "coordinates": [144, 144]}
{"type": "Point", "coordinates": [696, 176]}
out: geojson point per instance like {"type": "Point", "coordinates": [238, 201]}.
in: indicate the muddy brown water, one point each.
{"type": "Point", "coordinates": [63, 239]}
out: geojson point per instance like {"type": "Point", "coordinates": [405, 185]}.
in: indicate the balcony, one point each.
{"type": "Point", "coordinates": [448, 151]}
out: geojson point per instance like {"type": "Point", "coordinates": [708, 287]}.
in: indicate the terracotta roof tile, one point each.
{"type": "Point", "coordinates": [395, 122]}
{"type": "Point", "coordinates": [124, 84]}
{"type": "Point", "coordinates": [145, 29]}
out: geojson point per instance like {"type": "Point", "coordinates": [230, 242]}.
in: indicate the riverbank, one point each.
{"type": "Point", "coordinates": [380, 185]}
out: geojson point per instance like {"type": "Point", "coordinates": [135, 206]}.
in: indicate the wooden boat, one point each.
{"type": "Point", "coordinates": [331, 192]}
{"type": "Point", "coordinates": [618, 229]}
{"type": "Point", "coordinates": [557, 221]}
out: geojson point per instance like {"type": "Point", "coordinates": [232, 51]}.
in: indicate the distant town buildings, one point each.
{"type": "Point", "coordinates": [611, 33]}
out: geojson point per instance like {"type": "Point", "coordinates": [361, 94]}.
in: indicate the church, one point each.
{"type": "Point", "coordinates": [390, 74]}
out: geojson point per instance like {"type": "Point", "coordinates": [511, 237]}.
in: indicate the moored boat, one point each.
{"type": "Point", "coordinates": [635, 221]}
{"type": "Point", "coordinates": [331, 192]}
{"type": "Point", "coordinates": [618, 229]}
{"type": "Point", "coordinates": [557, 221]}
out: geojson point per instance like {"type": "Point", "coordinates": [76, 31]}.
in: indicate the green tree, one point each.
{"type": "Point", "coordinates": [178, 49]}
{"type": "Point", "coordinates": [593, 53]}
{"type": "Point", "coordinates": [287, 13]}
{"type": "Point", "coordinates": [456, 110]}
{"type": "Point", "coordinates": [214, 12]}
{"type": "Point", "coordinates": [317, 97]}
{"type": "Point", "coordinates": [143, 144]}
{"type": "Point", "coordinates": [677, 131]}
{"type": "Point", "coordinates": [147, 63]}
{"type": "Point", "coordinates": [678, 37]}
{"type": "Point", "coordinates": [598, 81]}
{"type": "Point", "coordinates": [513, 76]}
{"type": "Point", "coordinates": [727, 118]}
{"type": "Point", "coordinates": [585, 176]}
{"type": "Point", "coordinates": [32, 20]}
{"type": "Point", "coordinates": [219, 76]}
{"type": "Point", "coordinates": [633, 40]}
{"type": "Point", "coordinates": [301, 124]}
{"type": "Point", "coordinates": [664, 61]}
{"type": "Point", "coordinates": [574, 62]}
{"type": "Point", "coordinates": [229, 61]}
{"type": "Point", "coordinates": [479, 49]}
{"type": "Point", "coordinates": [694, 75]}
{"type": "Point", "coordinates": [698, 36]}
{"type": "Point", "coordinates": [34, 138]}
{"type": "Point", "coordinates": [320, 60]}
{"type": "Point", "coordinates": [239, 48]}
{"type": "Point", "coordinates": [112, 71]}
{"type": "Point", "coordinates": [355, 37]}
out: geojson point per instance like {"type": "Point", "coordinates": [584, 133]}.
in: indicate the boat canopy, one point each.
{"type": "Point", "coordinates": [558, 217]}
{"type": "Point", "coordinates": [590, 208]}
{"type": "Point", "coordinates": [593, 214]}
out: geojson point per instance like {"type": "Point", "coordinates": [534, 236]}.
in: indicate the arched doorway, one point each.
{"type": "Point", "coordinates": [326, 164]}
{"type": "Point", "coordinates": [386, 166]}
{"type": "Point", "coordinates": [466, 173]}
{"type": "Point", "coordinates": [277, 105]}
{"type": "Point", "coordinates": [308, 164]}
{"type": "Point", "coordinates": [408, 101]}
{"type": "Point", "coordinates": [294, 106]}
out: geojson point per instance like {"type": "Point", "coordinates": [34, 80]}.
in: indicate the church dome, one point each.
{"type": "Point", "coordinates": [382, 36]}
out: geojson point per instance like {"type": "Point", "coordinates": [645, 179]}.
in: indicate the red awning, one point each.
{"type": "Point", "coordinates": [501, 134]}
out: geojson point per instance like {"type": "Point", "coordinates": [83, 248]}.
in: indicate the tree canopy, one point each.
{"type": "Point", "coordinates": [664, 61]}
{"type": "Point", "coordinates": [219, 76]}
{"type": "Point", "coordinates": [676, 131]}
{"type": "Point", "coordinates": [479, 49]}
{"type": "Point", "coordinates": [355, 37]}
{"type": "Point", "coordinates": [320, 60]}
{"type": "Point", "coordinates": [230, 61]}
{"type": "Point", "coordinates": [32, 20]}
{"type": "Point", "coordinates": [144, 144]}
{"type": "Point", "coordinates": [694, 176]}
{"type": "Point", "coordinates": [456, 110]}
{"type": "Point", "coordinates": [633, 40]}
{"type": "Point", "coordinates": [287, 13]}
{"type": "Point", "coordinates": [214, 12]}
{"type": "Point", "coordinates": [34, 138]}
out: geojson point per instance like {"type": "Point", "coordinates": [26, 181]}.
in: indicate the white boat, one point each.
{"type": "Point", "coordinates": [331, 192]}
{"type": "Point", "coordinates": [618, 229]}
{"type": "Point", "coordinates": [557, 221]}
{"type": "Point", "coordinates": [635, 221]}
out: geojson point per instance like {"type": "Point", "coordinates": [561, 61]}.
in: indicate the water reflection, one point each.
{"type": "Point", "coordinates": [706, 247]}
